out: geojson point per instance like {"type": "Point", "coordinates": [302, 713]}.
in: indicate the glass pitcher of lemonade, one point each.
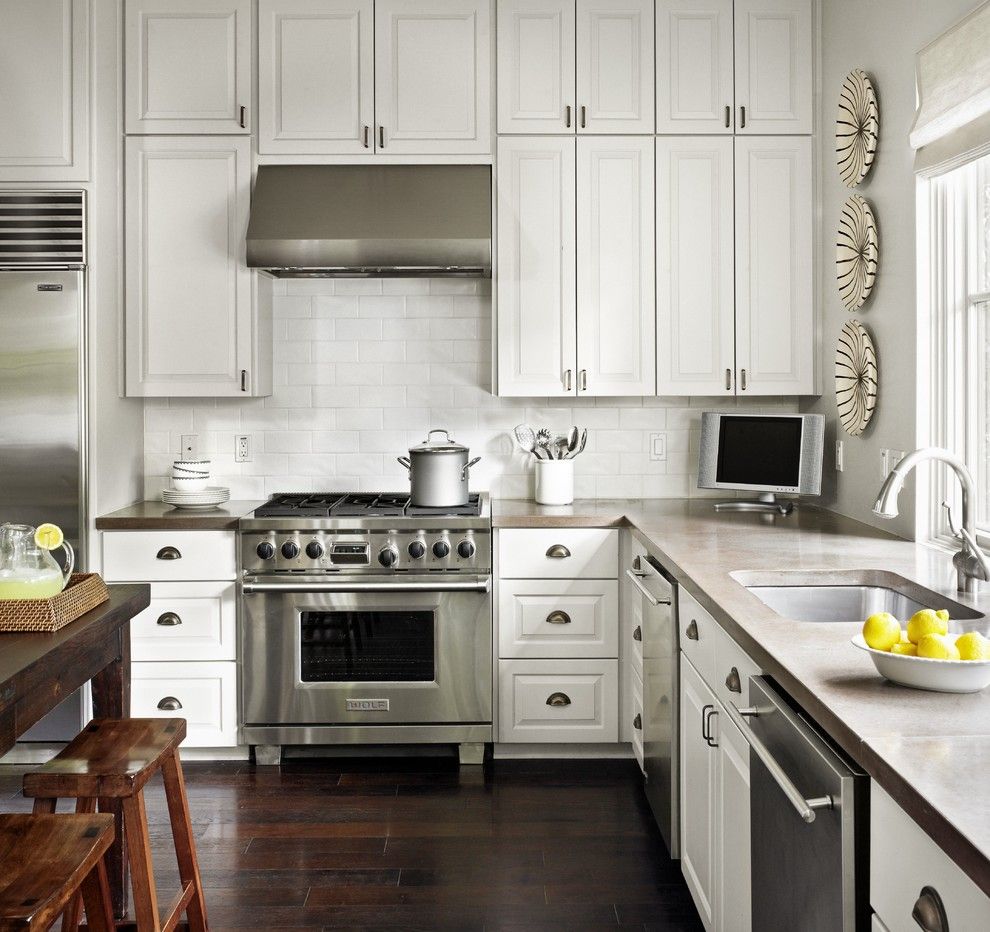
{"type": "Point", "coordinates": [28, 570]}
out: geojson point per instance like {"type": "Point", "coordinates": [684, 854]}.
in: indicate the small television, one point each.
{"type": "Point", "coordinates": [765, 453]}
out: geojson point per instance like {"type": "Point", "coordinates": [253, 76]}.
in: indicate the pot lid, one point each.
{"type": "Point", "coordinates": [438, 446]}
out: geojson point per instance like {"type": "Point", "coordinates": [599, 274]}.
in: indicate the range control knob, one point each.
{"type": "Point", "coordinates": [388, 556]}
{"type": "Point", "coordinates": [265, 550]}
{"type": "Point", "coordinates": [290, 550]}
{"type": "Point", "coordinates": [441, 549]}
{"type": "Point", "coordinates": [314, 550]}
{"type": "Point", "coordinates": [417, 550]}
{"type": "Point", "coordinates": [465, 549]}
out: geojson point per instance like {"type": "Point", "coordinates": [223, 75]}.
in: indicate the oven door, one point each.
{"type": "Point", "coordinates": [396, 651]}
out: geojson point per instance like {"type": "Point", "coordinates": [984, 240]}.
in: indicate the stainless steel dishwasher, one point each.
{"type": "Point", "coordinates": [809, 819]}
{"type": "Point", "coordinates": [660, 688]}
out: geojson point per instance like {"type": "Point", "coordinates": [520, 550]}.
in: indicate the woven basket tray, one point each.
{"type": "Point", "coordinates": [84, 592]}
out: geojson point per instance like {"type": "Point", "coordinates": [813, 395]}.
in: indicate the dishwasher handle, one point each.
{"type": "Point", "coordinates": [805, 807]}
{"type": "Point", "coordinates": [650, 597]}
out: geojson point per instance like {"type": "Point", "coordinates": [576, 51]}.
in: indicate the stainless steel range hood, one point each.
{"type": "Point", "coordinates": [321, 221]}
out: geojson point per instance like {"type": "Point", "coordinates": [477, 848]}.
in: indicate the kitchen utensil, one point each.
{"type": "Point", "coordinates": [560, 448]}
{"type": "Point", "coordinates": [580, 445]}
{"type": "Point", "coordinates": [572, 441]}
{"type": "Point", "coordinates": [438, 472]}
{"type": "Point", "coordinates": [525, 437]}
{"type": "Point", "coordinates": [555, 482]}
{"type": "Point", "coordinates": [943, 676]}
{"type": "Point", "coordinates": [28, 571]}
{"type": "Point", "coordinates": [543, 435]}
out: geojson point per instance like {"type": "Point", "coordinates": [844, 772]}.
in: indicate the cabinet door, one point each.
{"type": "Point", "coordinates": [732, 829]}
{"type": "Point", "coordinates": [316, 76]}
{"type": "Point", "coordinates": [537, 324]}
{"type": "Point", "coordinates": [44, 100]}
{"type": "Point", "coordinates": [535, 50]}
{"type": "Point", "coordinates": [188, 291]}
{"type": "Point", "coordinates": [615, 69]}
{"type": "Point", "coordinates": [694, 66]}
{"type": "Point", "coordinates": [697, 793]}
{"type": "Point", "coordinates": [775, 320]}
{"type": "Point", "coordinates": [187, 66]}
{"type": "Point", "coordinates": [773, 66]}
{"type": "Point", "coordinates": [433, 76]}
{"type": "Point", "coordinates": [616, 296]}
{"type": "Point", "coordinates": [695, 249]}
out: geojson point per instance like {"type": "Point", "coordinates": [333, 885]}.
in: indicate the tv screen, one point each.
{"type": "Point", "coordinates": [759, 451]}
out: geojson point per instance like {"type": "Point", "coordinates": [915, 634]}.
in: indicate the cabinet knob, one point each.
{"type": "Point", "coordinates": [558, 699]}
{"type": "Point", "coordinates": [929, 911]}
{"type": "Point", "coordinates": [169, 620]}
{"type": "Point", "coordinates": [732, 681]}
{"type": "Point", "coordinates": [558, 552]}
{"type": "Point", "coordinates": [692, 631]}
{"type": "Point", "coordinates": [168, 553]}
{"type": "Point", "coordinates": [638, 633]}
{"type": "Point", "coordinates": [169, 704]}
{"type": "Point", "coordinates": [638, 722]}
{"type": "Point", "coordinates": [558, 618]}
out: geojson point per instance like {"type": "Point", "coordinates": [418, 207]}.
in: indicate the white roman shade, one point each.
{"type": "Point", "coordinates": [953, 118]}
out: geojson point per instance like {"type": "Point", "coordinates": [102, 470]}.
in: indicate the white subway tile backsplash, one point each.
{"type": "Point", "coordinates": [364, 368]}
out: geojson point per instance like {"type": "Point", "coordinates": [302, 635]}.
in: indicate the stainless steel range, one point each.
{"type": "Point", "coordinates": [366, 620]}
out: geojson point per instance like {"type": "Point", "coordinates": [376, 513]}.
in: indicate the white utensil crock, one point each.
{"type": "Point", "coordinates": [554, 482]}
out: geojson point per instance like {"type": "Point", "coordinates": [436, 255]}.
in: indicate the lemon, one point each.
{"type": "Point", "coordinates": [49, 536]}
{"type": "Point", "coordinates": [937, 647]}
{"type": "Point", "coordinates": [943, 613]}
{"type": "Point", "coordinates": [881, 631]}
{"type": "Point", "coordinates": [906, 648]}
{"type": "Point", "coordinates": [973, 646]}
{"type": "Point", "coordinates": [925, 622]}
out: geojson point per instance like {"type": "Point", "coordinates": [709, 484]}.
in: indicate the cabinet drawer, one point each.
{"type": "Point", "coordinates": [558, 553]}
{"type": "Point", "coordinates": [206, 694]}
{"type": "Point", "coordinates": [733, 668]}
{"type": "Point", "coordinates": [636, 714]}
{"type": "Point", "coordinates": [558, 618]}
{"type": "Point", "coordinates": [554, 701]}
{"type": "Point", "coordinates": [903, 860]}
{"type": "Point", "coordinates": [696, 630]}
{"type": "Point", "coordinates": [153, 556]}
{"type": "Point", "coordinates": [186, 621]}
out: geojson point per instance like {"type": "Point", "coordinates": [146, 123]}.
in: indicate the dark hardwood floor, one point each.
{"type": "Point", "coordinates": [419, 844]}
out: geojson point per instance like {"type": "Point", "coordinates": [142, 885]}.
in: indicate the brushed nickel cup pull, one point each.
{"type": "Point", "coordinates": [558, 552]}
{"type": "Point", "coordinates": [168, 553]}
{"type": "Point", "coordinates": [692, 630]}
{"type": "Point", "coordinates": [558, 699]}
{"type": "Point", "coordinates": [558, 618]}
{"type": "Point", "coordinates": [732, 681]}
{"type": "Point", "coordinates": [638, 722]}
{"type": "Point", "coordinates": [638, 633]}
{"type": "Point", "coordinates": [929, 911]}
{"type": "Point", "coordinates": [169, 620]}
{"type": "Point", "coordinates": [169, 704]}
{"type": "Point", "coordinates": [567, 116]}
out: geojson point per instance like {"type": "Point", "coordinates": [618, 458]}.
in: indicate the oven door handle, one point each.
{"type": "Point", "coordinates": [475, 584]}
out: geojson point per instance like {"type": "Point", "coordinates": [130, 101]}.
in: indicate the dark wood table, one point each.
{"type": "Point", "coordinates": [38, 671]}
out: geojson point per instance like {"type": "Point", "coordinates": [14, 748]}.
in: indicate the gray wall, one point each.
{"type": "Point", "coordinates": [881, 37]}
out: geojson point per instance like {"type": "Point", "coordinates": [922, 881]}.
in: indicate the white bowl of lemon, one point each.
{"type": "Point", "coordinates": [924, 655]}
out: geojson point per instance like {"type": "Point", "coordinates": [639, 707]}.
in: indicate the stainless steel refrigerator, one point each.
{"type": "Point", "coordinates": [42, 387]}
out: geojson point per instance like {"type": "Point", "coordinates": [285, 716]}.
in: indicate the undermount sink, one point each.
{"type": "Point", "coordinates": [835, 597]}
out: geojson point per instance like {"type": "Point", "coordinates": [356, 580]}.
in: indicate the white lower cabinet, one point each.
{"type": "Point", "coordinates": [549, 701]}
{"type": "Point", "coordinates": [733, 873]}
{"type": "Point", "coordinates": [906, 866]}
{"type": "Point", "coordinates": [187, 621]}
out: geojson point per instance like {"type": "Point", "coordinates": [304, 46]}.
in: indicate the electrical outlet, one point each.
{"type": "Point", "coordinates": [242, 448]}
{"type": "Point", "coordinates": [840, 452]}
{"type": "Point", "coordinates": [658, 447]}
{"type": "Point", "coordinates": [190, 446]}
{"type": "Point", "coordinates": [889, 459]}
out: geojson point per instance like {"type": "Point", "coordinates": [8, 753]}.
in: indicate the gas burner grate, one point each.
{"type": "Point", "coordinates": [471, 509]}
{"type": "Point", "coordinates": [289, 504]}
{"type": "Point", "coordinates": [386, 504]}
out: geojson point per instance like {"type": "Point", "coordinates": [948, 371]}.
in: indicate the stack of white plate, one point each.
{"type": "Point", "coordinates": [201, 500]}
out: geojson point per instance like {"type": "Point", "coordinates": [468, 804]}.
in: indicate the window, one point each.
{"type": "Point", "coordinates": [959, 224]}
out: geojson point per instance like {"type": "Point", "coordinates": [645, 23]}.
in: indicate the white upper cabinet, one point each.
{"type": "Point", "coordinates": [537, 266]}
{"type": "Point", "coordinates": [773, 66]}
{"type": "Point", "coordinates": [615, 66]}
{"type": "Point", "coordinates": [694, 66]}
{"type": "Point", "coordinates": [695, 257]}
{"type": "Point", "coordinates": [44, 90]}
{"type": "Point", "coordinates": [616, 318]}
{"type": "Point", "coordinates": [775, 321]}
{"type": "Point", "coordinates": [316, 76]}
{"type": "Point", "coordinates": [433, 76]}
{"type": "Point", "coordinates": [187, 66]}
{"type": "Point", "coordinates": [535, 44]}
{"type": "Point", "coordinates": [194, 327]}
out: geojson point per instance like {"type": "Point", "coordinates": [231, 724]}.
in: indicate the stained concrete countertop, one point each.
{"type": "Point", "coordinates": [930, 751]}
{"type": "Point", "coordinates": [157, 516]}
